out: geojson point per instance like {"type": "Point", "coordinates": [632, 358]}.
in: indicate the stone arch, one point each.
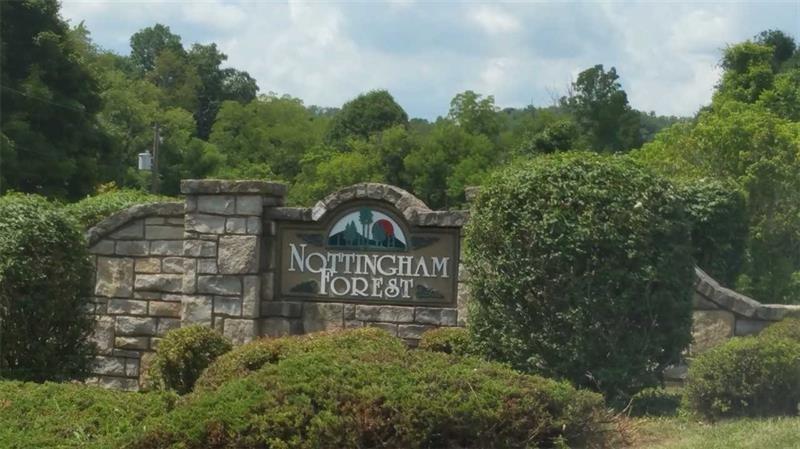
{"type": "Point", "coordinates": [414, 210]}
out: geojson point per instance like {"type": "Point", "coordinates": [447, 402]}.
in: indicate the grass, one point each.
{"type": "Point", "coordinates": [685, 433]}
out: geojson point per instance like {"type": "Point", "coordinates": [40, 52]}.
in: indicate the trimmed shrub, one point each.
{"type": "Point", "coordinates": [45, 280]}
{"type": "Point", "coordinates": [74, 416]}
{"type": "Point", "coordinates": [748, 376]}
{"type": "Point", "coordinates": [581, 268]}
{"type": "Point", "coordinates": [788, 328]}
{"type": "Point", "coordinates": [718, 216]}
{"type": "Point", "coordinates": [655, 402]}
{"type": "Point", "coordinates": [450, 340]}
{"type": "Point", "coordinates": [338, 396]}
{"type": "Point", "coordinates": [94, 209]}
{"type": "Point", "coordinates": [182, 356]}
{"type": "Point", "coordinates": [252, 356]}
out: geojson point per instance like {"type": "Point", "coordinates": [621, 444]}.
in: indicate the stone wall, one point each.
{"type": "Point", "coordinates": [212, 260]}
{"type": "Point", "coordinates": [721, 313]}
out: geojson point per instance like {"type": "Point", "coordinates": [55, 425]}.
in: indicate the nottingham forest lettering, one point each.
{"type": "Point", "coordinates": [366, 254]}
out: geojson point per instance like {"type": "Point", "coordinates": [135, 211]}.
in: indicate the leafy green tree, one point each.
{"type": "Point", "coordinates": [748, 72]}
{"type": "Point", "coordinates": [366, 115]}
{"type": "Point", "coordinates": [325, 171]}
{"type": "Point", "coordinates": [475, 113]}
{"type": "Point", "coordinates": [216, 85]}
{"type": "Point", "coordinates": [447, 160]}
{"type": "Point", "coordinates": [600, 107]}
{"type": "Point", "coordinates": [272, 130]}
{"type": "Point", "coordinates": [756, 151]}
{"type": "Point", "coordinates": [51, 142]}
{"type": "Point", "coordinates": [148, 43]}
{"type": "Point", "coordinates": [557, 136]}
{"type": "Point", "coordinates": [783, 45]}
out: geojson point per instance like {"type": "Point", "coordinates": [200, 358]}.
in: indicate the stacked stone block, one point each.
{"type": "Point", "coordinates": [222, 249]}
{"type": "Point", "coordinates": [139, 273]}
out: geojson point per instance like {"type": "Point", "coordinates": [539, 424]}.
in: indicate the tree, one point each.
{"type": "Point", "coordinates": [216, 85]}
{"type": "Point", "coordinates": [601, 110]}
{"type": "Point", "coordinates": [271, 130]}
{"type": "Point", "coordinates": [52, 144]}
{"type": "Point", "coordinates": [748, 73]}
{"type": "Point", "coordinates": [326, 170]}
{"type": "Point", "coordinates": [365, 115]}
{"type": "Point", "coordinates": [783, 45]}
{"type": "Point", "coordinates": [475, 113]}
{"type": "Point", "coordinates": [447, 160]}
{"type": "Point", "coordinates": [148, 43]}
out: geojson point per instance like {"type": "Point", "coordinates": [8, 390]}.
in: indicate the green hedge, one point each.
{"type": "Point", "coordinates": [788, 328]}
{"type": "Point", "coordinates": [94, 209]}
{"type": "Point", "coordinates": [183, 354]}
{"type": "Point", "coordinates": [45, 281]}
{"type": "Point", "coordinates": [581, 268]}
{"type": "Point", "coordinates": [74, 416]}
{"type": "Point", "coordinates": [749, 376]}
{"type": "Point", "coordinates": [450, 340]}
{"type": "Point", "coordinates": [718, 215]}
{"type": "Point", "coordinates": [355, 389]}
{"type": "Point", "coordinates": [252, 356]}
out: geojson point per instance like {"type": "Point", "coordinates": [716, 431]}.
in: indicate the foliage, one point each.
{"type": "Point", "coordinates": [448, 160]}
{"type": "Point", "coordinates": [655, 402]}
{"type": "Point", "coordinates": [788, 328]}
{"type": "Point", "coordinates": [450, 340]}
{"type": "Point", "coordinates": [365, 115]}
{"type": "Point", "coordinates": [45, 280]}
{"type": "Point", "coordinates": [601, 110]}
{"type": "Point", "coordinates": [183, 354]}
{"type": "Point", "coordinates": [252, 356]}
{"type": "Point", "coordinates": [718, 216]}
{"type": "Point", "coordinates": [746, 376]}
{"type": "Point", "coordinates": [50, 101]}
{"type": "Point", "coordinates": [73, 415]}
{"type": "Point", "coordinates": [685, 432]}
{"type": "Point", "coordinates": [580, 267]}
{"type": "Point", "coordinates": [94, 209]}
{"type": "Point", "coordinates": [476, 115]}
{"type": "Point", "coordinates": [756, 151]}
{"type": "Point", "coordinates": [371, 397]}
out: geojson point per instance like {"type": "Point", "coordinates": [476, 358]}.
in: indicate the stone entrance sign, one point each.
{"type": "Point", "coordinates": [367, 253]}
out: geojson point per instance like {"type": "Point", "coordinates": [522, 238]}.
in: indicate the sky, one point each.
{"type": "Point", "coordinates": [425, 52]}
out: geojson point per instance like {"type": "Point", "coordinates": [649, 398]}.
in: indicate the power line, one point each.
{"type": "Point", "coordinates": [34, 97]}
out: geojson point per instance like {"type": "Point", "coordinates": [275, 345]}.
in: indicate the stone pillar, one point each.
{"type": "Point", "coordinates": [222, 248]}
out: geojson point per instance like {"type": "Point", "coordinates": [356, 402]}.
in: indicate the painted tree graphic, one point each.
{"type": "Point", "coordinates": [351, 233]}
{"type": "Point", "coordinates": [379, 235]}
{"type": "Point", "coordinates": [365, 217]}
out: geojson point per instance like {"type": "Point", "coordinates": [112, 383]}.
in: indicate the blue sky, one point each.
{"type": "Point", "coordinates": [424, 52]}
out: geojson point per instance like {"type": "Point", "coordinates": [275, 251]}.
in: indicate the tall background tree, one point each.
{"type": "Point", "coordinates": [51, 143]}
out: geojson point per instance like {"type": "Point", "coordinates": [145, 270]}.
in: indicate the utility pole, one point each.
{"type": "Point", "coordinates": [154, 170]}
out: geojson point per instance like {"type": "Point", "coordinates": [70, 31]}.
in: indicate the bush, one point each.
{"type": "Point", "coordinates": [94, 209]}
{"type": "Point", "coordinates": [748, 376]}
{"type": "Point", "coordinates": [450, 340]}
{"type": "Point", "coordinates": [581, 267]}
{"type": "Point", "coordinates": [788, 328]}
{"type": "Point", "coordinates": [45, 280]}
{"type": "Point", "coordinates": [655, 402]}
{"type": "Point", "coordinates": [74, 416]}
{"type": "Point", "coordinates": [718, 217]}
{"type": "Point", "coordinates": [182, 356]}
{"type": "Point", "coordinates": [252, 356]}
{"type": "Point", "coordinates": [336, 396]}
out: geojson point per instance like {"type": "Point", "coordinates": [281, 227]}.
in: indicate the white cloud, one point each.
{"type": "Point", "coordinates": [493, 20]}
{"type": "Point", "coordinates": [424, 53]}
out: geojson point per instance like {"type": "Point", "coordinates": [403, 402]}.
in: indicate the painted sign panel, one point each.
{"type": "Point", "coordinates": [367, 253]}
